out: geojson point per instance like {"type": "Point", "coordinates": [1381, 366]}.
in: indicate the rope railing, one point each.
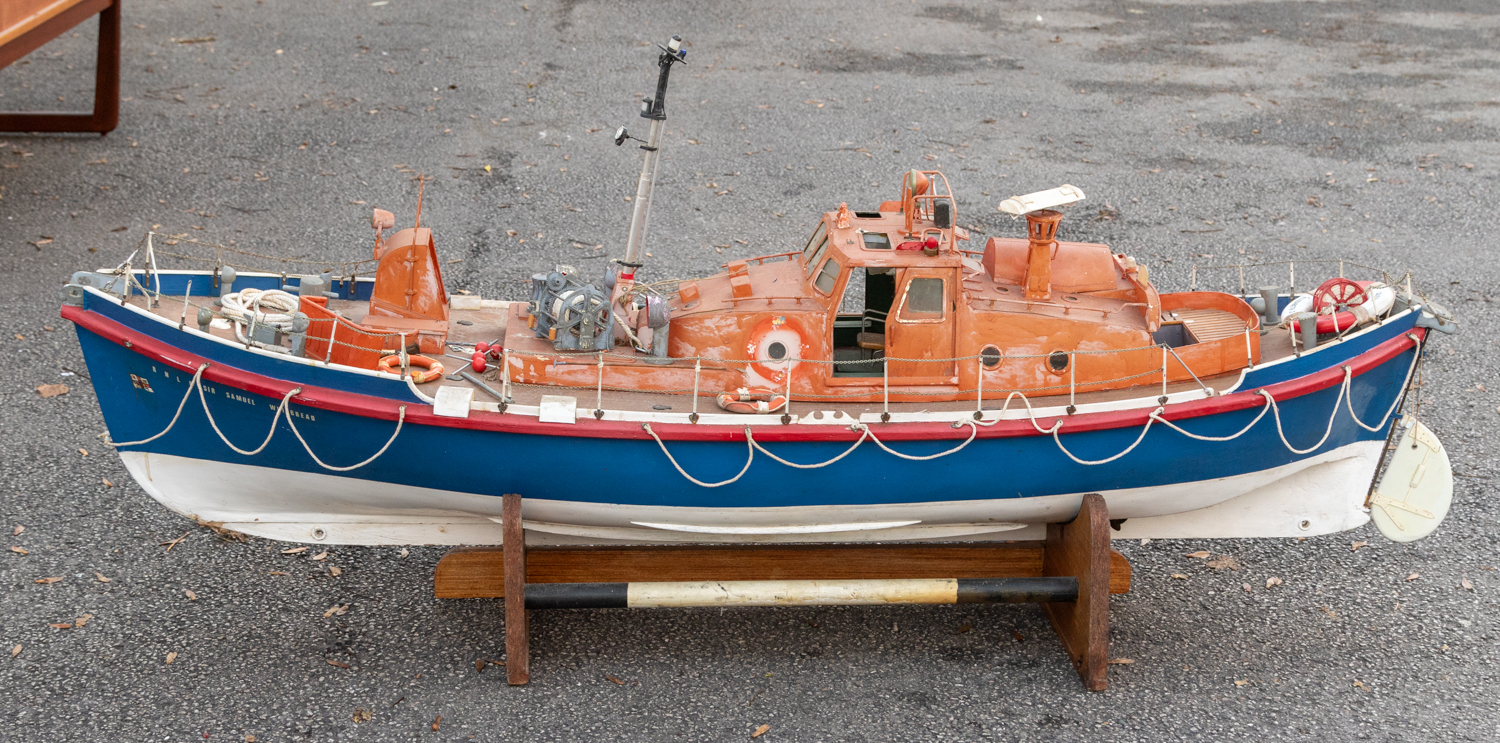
{"type": "Point", "coordinates": [597, 359]}
{"type": "Point", "coordinates": [1386, 277]}
{"type": "Point", "coordinates": [346, 269]}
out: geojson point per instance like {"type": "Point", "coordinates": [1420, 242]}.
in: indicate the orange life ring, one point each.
{"type": "Point", "coordinates": [755, 401]}
{"type": "Point", "coordinates": [433, 368]}
{"type": "Point", "coordinates": [775, 348]}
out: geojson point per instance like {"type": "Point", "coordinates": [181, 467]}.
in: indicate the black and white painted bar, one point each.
{"type": "Point", "coordinates": [800, 593]}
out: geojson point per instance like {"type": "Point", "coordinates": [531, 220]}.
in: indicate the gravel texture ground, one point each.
{"type": "Point", "coordinates": [1203, 133]}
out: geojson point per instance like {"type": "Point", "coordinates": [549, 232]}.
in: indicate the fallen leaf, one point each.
{"type": "Point", "coordinates": [191, 596]}
{"type": "Point", "coordinates": [1242, 682]}
{"type": "Point", "coordinates": [18, 530]}
{"type": "Point", "coordinates": [171, 657]}
{"type": "Point", "coordinates": [47, 580]}
{"type": "Point", "coordinates": [52, 390]}
{"type": "Point", "coordinates": [61, 625]}
{"type": "Point", "coordinates": [79, 622]}
{"type": "Point", "coordinates": [404, 552]}
{"type": "Point", "coordinates": [339, 610]}
{"type": "Point", "coordinates": [84, 452]}
{"type": "Point", "coordinates": [1355, 547]}
{"type": "Point", "coordinates": [1121, 661]}
{"type": "Point", "coordinates": [279, 572]}
{"type": "Point", "coordinates": [1179, 576]}
{"type": "Point", "coordinates": [1411, 577]}
{"type": "Point", "coordinates": [1331, 613]}
{"type": "Point", "coordinates": [1224, 561]}
{"type": "Point", "coordinates": [965, 627]}
{"type": "Point", "coordinates": [762, 730]}
{"type": "Point", "coordinates": [1465, 584]}
{"type": "Point", "coordinates": [249, 739]}
{"type": "Point", "coordinates": [1017, 635]}
{"type": "Point", "coordinates": [174, 542]}
{"type": "Point", "coordinates": [101, 577]}
{"type": "Point", "coordinates": [361, 714]}
{"type": "Point", "coordinates": [437, 723]}
{"type": "Point", "coordinates": [614, 680]}
{"type": "Point", "coordinates": [1273, 581]}
{"type": "Point", "coordinates": [19, 550]}
{"type": "Point", "coordinates": [1245, 586]}
{"type": "Point", "coordinates": [107, 483]}
{"type": "Point", "coordinates": [15, 651]}
{"type": "Point", "coordinates": [294, 550]}
{"type": "Point", "coordinates": [321, 555]}
{"type": "Point", "coordinates": [479, 665]}
{"type": "Point", "coordinates": [1360, 685]}
{"type": "Point", "coordinates": [336, 663]}
{"type": "Point", "coordinates": [334, 571]}
{"type": "Point", "coordinates": [1199, 555]}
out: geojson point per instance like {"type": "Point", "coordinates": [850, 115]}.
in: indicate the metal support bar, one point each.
{"type": "Point", "coordinates": [661, 595]}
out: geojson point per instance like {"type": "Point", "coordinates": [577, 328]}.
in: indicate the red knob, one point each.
{"type": "Point", "coordinates": [478, 362]}
{"type": "Point", "coordinates": [481, 346]}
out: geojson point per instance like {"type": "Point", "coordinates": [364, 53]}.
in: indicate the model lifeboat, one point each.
{"type": "Point", "coordinates": [883, 378]}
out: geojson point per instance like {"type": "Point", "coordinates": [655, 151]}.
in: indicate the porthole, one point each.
{"type": "Point", "coordinates": [1058, 361]}
{"type": "Point", "coordinates": [776, 351]}
{"type": "Point", "coordinates": [1070, 297]}
{"type": "Point", "coordinates": [990, 357]}
{"type": "Point", "coordinates": [1003, 290]}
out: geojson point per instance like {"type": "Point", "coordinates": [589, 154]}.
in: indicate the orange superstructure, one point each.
{"type": "Point", "coordinates": [887, 302]}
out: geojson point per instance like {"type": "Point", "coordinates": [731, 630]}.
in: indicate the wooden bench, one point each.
{"type": "Point", "coordinates": [26, 25]}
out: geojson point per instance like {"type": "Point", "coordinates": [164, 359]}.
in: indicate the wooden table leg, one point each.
{"type": "Point", "coordinates": [1080, 548]}
{"type": "Point", "coordinates": [517, 629]}
{"type": "Point", "coordinates": [106, 114]}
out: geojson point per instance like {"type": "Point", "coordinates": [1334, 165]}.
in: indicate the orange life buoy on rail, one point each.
{"type": "Point", "coordinates": [775, 348]}
{"type": "Point", "coordinates": [431, 368]}
{"type": "Point", "coordinates": [745, 400]}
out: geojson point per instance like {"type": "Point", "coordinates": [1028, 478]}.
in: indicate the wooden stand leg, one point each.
{"type": "Point", "coordinates": [1080, 548]}
{"type": "Point", "coordinates": [517, 628]}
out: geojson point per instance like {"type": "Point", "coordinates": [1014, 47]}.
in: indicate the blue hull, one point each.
{"type": "Point", "coordinates": [633, 472]}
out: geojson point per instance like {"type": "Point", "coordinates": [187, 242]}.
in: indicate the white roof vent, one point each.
{"type": "Point", "coordinates": [1060, 196]}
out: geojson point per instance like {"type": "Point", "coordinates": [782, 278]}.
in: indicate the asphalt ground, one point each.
{"type": "Point", "coordinates": [1203, 133]}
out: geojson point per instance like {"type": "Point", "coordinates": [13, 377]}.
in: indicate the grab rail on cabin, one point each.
{"type": "Point", "coordinates": [759, 260]}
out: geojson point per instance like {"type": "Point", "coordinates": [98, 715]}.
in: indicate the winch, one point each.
{"type": "Point", "coordinates": [571, 313]}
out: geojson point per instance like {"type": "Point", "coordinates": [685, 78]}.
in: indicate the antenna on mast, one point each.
{"type": "Point", "coordinates": [421, 181]}
{"type": "Point", "coordinates": [654, 109]}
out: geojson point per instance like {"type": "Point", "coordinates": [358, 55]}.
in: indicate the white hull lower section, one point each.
{"type": "Point", "coordinates": [1319, 495]}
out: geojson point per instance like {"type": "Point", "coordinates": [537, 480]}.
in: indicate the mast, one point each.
{"type": "Point", "coordinates": [654, 109]}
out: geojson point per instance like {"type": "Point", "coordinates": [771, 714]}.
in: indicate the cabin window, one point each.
{"type": "Point", "coordinates": [816, 244]}
{"type": "Point", "coordinates": [828, 277]}
{"type": "Point", "coordinates": [1058, 361]}
{"type": "Point", "coordinates": [924, 300]}
{"type": "Point", "coordinates": [877, 241]}
{"type": "Point", "coordinates": [990, 356]}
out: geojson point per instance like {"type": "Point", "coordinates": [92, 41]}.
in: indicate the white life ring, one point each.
{"type": "Point", "coordinates": [774, 348]}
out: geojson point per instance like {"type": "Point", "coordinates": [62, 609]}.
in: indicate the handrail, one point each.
{"type": "Point", "coordinates": [760, 260]}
